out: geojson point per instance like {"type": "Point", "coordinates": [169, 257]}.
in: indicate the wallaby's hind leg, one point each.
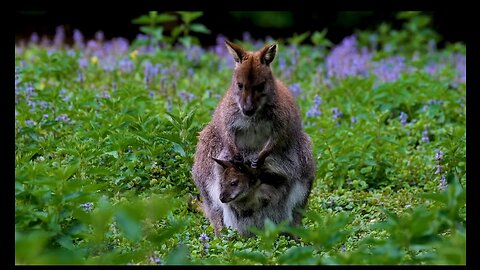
{"type": "Point", "coordinates": [215, 216]}
{"type": "Point", "coordinates": [297, 218]}
{"type": "Point", "coordinates": [216, 219]}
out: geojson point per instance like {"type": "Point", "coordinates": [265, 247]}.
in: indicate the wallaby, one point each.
{"type": "Point", "coordinates": [250, 194]}
{"type": "Point", "coordinates": [256, 107]}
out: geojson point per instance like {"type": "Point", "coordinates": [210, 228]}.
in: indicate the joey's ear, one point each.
{"type": "Point", "coordinates": [236, 51]}
{"type": "Point", "coordinates": [267, 54]}
{"type": "Point", "coordinates": [224, 163]}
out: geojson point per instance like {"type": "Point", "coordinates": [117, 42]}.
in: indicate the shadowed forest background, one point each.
{"type": "Point", "coordinates": [234, 24]}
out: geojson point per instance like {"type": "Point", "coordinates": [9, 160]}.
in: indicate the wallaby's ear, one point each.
{"type": "Point", "coordinates": [267, 54]}
{"type": "Point", "coordinates": [224, 163]}
{"type": "Point", "coordinates": [236, 51]}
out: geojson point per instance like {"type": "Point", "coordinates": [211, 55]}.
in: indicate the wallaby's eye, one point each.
{"type": "Point", "coordinates": [234, 183]}
{"type": "Point", "coordinates": [240, 85]}
{"type": "Point", "coordinates": [259, 87]}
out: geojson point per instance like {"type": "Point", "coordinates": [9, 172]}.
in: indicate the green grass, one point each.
{"type": "Point", "coordinates": [130, 153]}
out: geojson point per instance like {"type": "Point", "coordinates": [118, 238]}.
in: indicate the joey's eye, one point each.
{"type": "Point", "coordinates": [240, 85]}
{"type": "Point", "coordinates": [234, 183]}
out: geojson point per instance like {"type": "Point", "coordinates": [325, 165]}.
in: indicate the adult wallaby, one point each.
{"type": "Point", "coordinates": [256, 107]}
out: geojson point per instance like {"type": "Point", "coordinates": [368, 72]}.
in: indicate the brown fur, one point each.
{"type": "Point", "coordinates": [256, 107]}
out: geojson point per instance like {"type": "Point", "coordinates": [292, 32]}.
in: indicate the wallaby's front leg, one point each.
{"type": "Point", "coordinates": [233, 150]}
{"type": "Point", "coordinates": [266, 150]}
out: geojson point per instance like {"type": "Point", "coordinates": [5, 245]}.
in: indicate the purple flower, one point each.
{"type": "Point", "coordinates": [220, 49]}
{"type": "Point", "coordinates": [151, 94]}
{"type": "Point", "coordinates": [190, 72]}
{"type": "Point", "coordinates": [287, 72]}
{"type": "Point", "coordinates": [443, 183]}
{"type": "Point", "coordinates": [126, 66]}
{"type": "Point", "coordinates": [169, 104]}
{"type": "Point", "coordinates": [147, 77]}
{"type": "Point", "coordinates": [65, 98]}
{"type": "Point", "coordinates": [34, 38]}
{"type": "Point", "coordinates": [99, 36]}
{"type": "Point", "coordinates": [32, 104]}
{"type": "Point", "coordinates": [43, 104]}
{"type": "Point", "coordinates": [78, 38]}
{"type": "Point", "coordinates": [17, 75]}
{"type": "Point", "coordinates": [104, 94]}
{"type": "Point", "coordinates": [295, 55]}
{"type": "Point", "coordinates": [92, 45]}
{"type": "Point", "coordinates": [247, 37]}
{"type": "Point", "coordinates": [389, 70]}
{"type": "Point", "coordinates": [80, 77]}
{"type": "Point", "coordinates": [30, 123]}
{"type": "Point", "coordinates": [45, 116]}
{"type": "Point", "coordinates": [59, 38]}
{"type": "Point", "coordinates": [346, 60]}
{"type": "Point", "coordinates": [435, 102]}
{"type": "Point", "coordinates": [141, 37]}
{"type": "Point", "coordinates": [432, 68]}
{"type": "Point", "coordinates": [438, 170]}
{"type": "Point", "coordinates": [188, 97]}
{"type": "Point", "coordinates": [461, 67]}
{"type": "Point", "coordinates": [425, 136]}
{"type": "Point", "coordinates": [120, 45]}
{"type": "Point", "coordinates": [282, 63]}
{"type": "Point", "coordinates": [108, 65]}
{"type": "Point", "coordinates": [164, 71]}
{"type": "Point", "coordinates": [353, 120]}
{"type": "Point", "coordinates": [336, 113]}
{"type": "Point", "coordinates": [403, 118]}
{"type": "Point", "coordinates": [155, 260]}
{"type": "Point", "coordinates": [87, 207]}
{"type": "Point", "coordinates": [204, 237]}
{"type": "Point", "coordinates": [45, 42]}
{"type": "Point", "coordinates": [295, 89]}
{"type": "Point", "coordinates": [432, 46]}
{"type": "Point", "coordinates": [194, 53]}
{"type": "Point", "coordinates": [29, 89]}
{"type": "Point", "coordinates": [82, 63]}
{"type": "Point", "coordinates": [63, 117]}
{"type": "Point", "coordinates": [314, 111]}
{"type": "Point", "coordinates": [108, 47]}
{"type": "Point", "coordinates": [439, 154]}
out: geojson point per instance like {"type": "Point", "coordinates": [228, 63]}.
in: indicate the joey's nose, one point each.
{"type": "Point", "coordinates": [224, 199]}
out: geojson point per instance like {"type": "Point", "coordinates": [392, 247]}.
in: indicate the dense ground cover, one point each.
{"type": "Point", "coordinates": [106, 130]}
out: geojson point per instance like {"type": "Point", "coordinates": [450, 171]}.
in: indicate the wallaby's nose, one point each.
{"type": "Point", "coordinates": [248, 111]}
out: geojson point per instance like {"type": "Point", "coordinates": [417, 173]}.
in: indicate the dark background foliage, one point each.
{"type": "Point", "coordinates": [233, 24]}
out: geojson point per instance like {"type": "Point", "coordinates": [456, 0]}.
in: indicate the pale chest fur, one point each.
{"type": "Point", "coordinates": [251, 135]}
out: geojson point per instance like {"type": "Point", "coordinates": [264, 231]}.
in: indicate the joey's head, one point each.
{"type": "Point", "coordinates": [236, 181]}
{"type": "Point", "coordinates": [253, 83]}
